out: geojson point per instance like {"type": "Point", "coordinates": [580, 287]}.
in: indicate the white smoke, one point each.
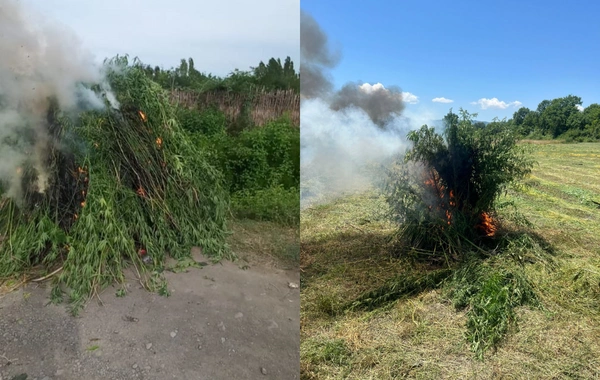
{"type": "Point", "coordinates": [347, 136]}
{"type": "Point", "coordinates": [40, 61]}
{"type": "Point", "coordinates": [344, 152]}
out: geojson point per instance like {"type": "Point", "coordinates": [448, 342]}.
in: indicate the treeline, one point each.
{"type": "Point", "coordinates": [274, 75]}
{"type": "Point", "coordinates": [561, 118]}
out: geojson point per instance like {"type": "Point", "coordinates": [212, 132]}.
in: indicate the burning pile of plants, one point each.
{"type": "Point", "coordinates": [116, 184]}
{"type": "Point", "coordinates": [444, 194]}
{"type": "Point", "coordinates": [445, 197]}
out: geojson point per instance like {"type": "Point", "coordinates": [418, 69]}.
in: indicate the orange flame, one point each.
{"type": "Point", "coordinates": [143, 116]}
{"type": "Point", "coordinates": [159, 142]}
{"type": "Point", "coordinates": [83, 204]}
{"type": "Point", "coordinates": [487, 224]}
{"type": "Point", "coordinates": [433, 181]}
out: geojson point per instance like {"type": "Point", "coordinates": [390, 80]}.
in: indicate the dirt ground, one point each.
{"type": "Point", "coordinates": [220, 322]}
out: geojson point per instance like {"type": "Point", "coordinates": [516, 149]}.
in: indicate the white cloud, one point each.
{"type": "Point", "coordinates": [494, 103]}
{"type": "Point", "coordinates": [370, 88]}
{"type": "Point", "coordinates": [410, 98]}
{"type": "Point", "coordinates": [442, 100]}
{"type": "Point", "coordinates": [580, 108]}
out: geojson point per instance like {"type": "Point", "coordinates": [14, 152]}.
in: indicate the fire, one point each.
{"type": "Point", "coordinates": [83, 204]}
{"type": "Point", "coordinates": [487, 224]}
{"type": "Point", "coordinates": [159, 142]}
{"type": "Point", "coordinates": [433, 181]}
{"type": "Point", "coordinates": [141, 192]}
{"type": "Point", "coordinates": [143, 116]}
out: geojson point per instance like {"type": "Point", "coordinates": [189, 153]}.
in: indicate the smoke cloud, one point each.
{"type": "Point", "coordinates": [316, 58]}
{"type": "Point", "coordinates": [40, 62]}
{"type": "Point", "coordinates": [347, 136]}
{"type": "Point", "coordinates": [380, 103]}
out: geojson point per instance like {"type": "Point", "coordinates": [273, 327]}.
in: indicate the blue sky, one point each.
{"type": "Point", "coordinates": [518, 53]}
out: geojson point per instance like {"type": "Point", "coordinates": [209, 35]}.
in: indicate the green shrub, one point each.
{"type": "Point", "coordinates": [258, 158]}
{"type": "Point", "coordinates": [590, 133]}
{"type": "Point", "coordinates": [261, 166]}
{"type": "Point", "coordinates": [208, 122]}
{"type": "Point", "coordinates": [274, 204]}
{"type": "Point", "coordinates": [264, 157]}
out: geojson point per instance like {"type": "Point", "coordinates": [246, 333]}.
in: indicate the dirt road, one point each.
{"type": "Point", "coordinates": [220, 322]}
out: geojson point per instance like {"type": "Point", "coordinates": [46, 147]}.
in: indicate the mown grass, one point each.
{"type": "Point", "coordinates": [544, 288]}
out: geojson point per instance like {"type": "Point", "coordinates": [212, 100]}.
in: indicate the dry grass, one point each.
{"type": "Point", "coordinates": [542, 142]}
{"type": "Point", "coordinates": [345, 252]}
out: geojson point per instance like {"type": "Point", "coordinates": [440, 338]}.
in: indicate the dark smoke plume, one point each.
{"type": "Point", "coordinates": [316, 58]}
{"type": "Point", "coordinates": [346, 134]}
{"type": "Point", "coordinates": [380, 103]}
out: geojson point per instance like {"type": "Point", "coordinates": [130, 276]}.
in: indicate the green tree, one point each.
{"type": "Point", "coordinates": [519, 116]}
{"type": "Point", "coordinates": [555, 116]}
{"type": "Point", "coordinates": [543, 105]}
{"type": "Point", "coordinates": [275, 76]}
{"type": "Point", "coordinates": [519, 119]}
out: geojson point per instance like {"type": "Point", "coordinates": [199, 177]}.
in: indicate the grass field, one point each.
{"type": "Point", "coordinates": [345, 252]}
